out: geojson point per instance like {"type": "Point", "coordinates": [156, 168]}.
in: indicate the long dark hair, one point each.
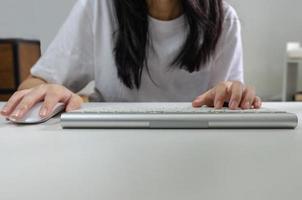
{"type": "Point", "coordinates": [204, 18]}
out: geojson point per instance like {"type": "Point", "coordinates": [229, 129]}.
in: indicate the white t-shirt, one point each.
{"type": "Point", "coordinates": [83, 52]}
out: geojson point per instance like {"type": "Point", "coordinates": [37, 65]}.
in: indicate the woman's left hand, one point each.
{"type": "Point", "coordinates": [234, 92]}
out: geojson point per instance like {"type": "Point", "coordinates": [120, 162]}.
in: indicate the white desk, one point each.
{"type": "Point", "coordinates": [44, 162]}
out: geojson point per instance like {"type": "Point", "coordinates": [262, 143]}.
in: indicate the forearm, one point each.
{"type": "Point", "coordinates": [31, 82]}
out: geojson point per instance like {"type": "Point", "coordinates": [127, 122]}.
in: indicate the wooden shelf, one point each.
{"type": "Point", "coordinates": [17, 56]}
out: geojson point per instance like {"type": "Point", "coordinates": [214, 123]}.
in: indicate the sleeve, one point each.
{"type": "Point", "coordinates": [69, 60]}
{"type": "Point", "coordinates": [228, 60]}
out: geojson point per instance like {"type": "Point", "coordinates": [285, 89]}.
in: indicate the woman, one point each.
{"type": "Point", "coordinates": [136, 50]}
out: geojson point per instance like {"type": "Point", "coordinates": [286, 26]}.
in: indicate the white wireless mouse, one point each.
{"type": "Point", "coordinates": [33, 115]}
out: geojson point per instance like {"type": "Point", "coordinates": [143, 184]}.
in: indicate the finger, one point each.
{"type": "Point", "coordinates": [221, 95]}
{"type": "Point", "coordinates": [52, 97]}
{"type": "Point", "coordinates": [74, 103]}
{"type": "Point", "coordinates": [248, 98]}
{"type": "Point", "coordinates": [257, 102]}
{"type": "Point", "coordinates": [204, 99]}
{"type": "Point", "coordinates": [13, 102]}
{"type": "Point", "coordinates": [28, 102]}
{"type": "Point", "coordinates": [49, 103]}
{"type": "Point", "coordinates": [236, 95]}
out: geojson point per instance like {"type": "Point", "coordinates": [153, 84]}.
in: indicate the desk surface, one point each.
{"type": "Point", "coordinates": [44, 162]}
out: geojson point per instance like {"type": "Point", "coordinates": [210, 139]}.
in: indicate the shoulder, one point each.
{"type": "Point", "coordinates": [230, 39]}
{"type": "Point", "coordinates": [230, 13]}
{"type": "Point", "coordinates": [95, 4]}
{"type": "Point", "coordinates": [231, 23]}
{"type": "Point", "coordinates": [94, 10]}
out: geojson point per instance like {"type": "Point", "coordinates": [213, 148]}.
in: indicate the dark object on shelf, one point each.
{"type": "Point", "coordinates": [17, 56]}
{"type": "Point", "coordinates": [298, 96]}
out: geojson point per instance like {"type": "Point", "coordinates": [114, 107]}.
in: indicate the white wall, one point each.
{"type": "Point", "coordinates": [38, 19]}
{"type": "Point", "coordinates": [267, 25]}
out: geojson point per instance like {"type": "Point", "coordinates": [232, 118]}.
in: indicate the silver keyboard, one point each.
{"type": "Point", "coordinates": [173, 115]}
{"type": "Point", "coordinates": [169, 108]}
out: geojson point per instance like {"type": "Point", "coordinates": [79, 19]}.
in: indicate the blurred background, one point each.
{"type": "Point", "coordinates": [267, 26]}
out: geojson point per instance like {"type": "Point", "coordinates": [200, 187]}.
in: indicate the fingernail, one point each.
{"type": "Point", "coordinates": [4, 109]}
{"type": "Point", "coordinates": [246, 105]}
{"type": "Point", "coordinates": [43, 113]}
{"type": "Point", "coordinates": [16, 114]}
{"type": "Point", "coordinates": [218, 104]}
{"type": "Point", "coordinates": [12, 119]}
{"type": "Point", "coordinates": [233, 104]}
{"type": "Point", "coordinates": [196, 100]}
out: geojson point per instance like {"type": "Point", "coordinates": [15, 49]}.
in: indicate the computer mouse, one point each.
{"type": "Point", "coordinates": [33, 115]}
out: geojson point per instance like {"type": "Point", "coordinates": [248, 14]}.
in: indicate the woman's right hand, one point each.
{"type": "Point", "coordinates": [22, 101]}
